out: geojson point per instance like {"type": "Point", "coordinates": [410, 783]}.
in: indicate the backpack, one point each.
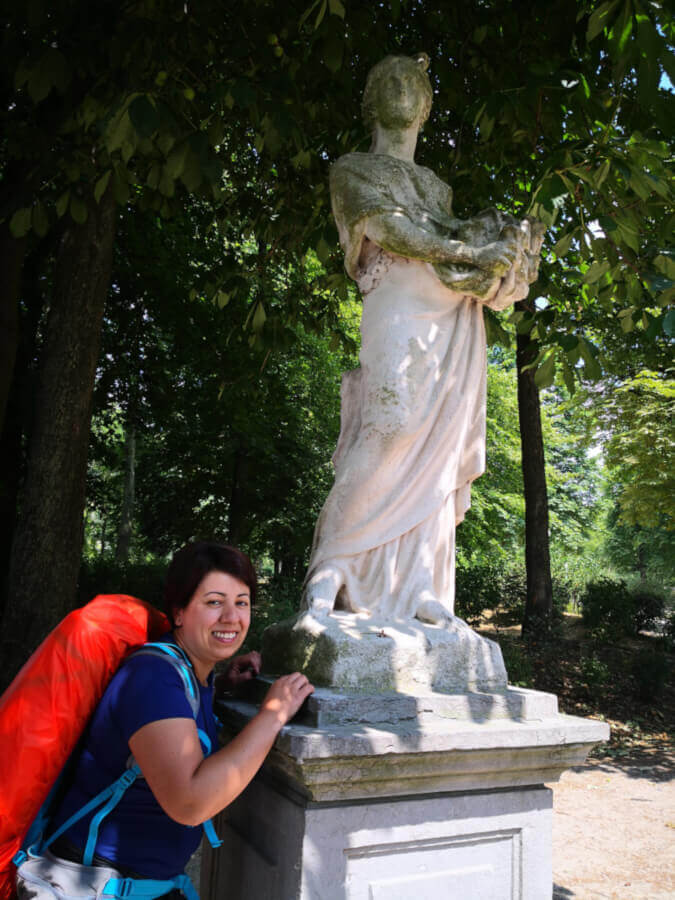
{"type": "Point", "coordinates": [43, 714]}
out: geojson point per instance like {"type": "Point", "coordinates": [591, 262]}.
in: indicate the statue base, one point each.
{"type": "Point", "coordinates": [442, 803]}
{"type": "Point", "coordinates": [360, 653]}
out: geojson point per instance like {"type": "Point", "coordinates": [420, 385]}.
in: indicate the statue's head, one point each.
{"type": "Point", "coordinates": [398, 92]}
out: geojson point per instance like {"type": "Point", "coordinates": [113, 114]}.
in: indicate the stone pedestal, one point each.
{"type": "Point", "coordinates": [391, 797]}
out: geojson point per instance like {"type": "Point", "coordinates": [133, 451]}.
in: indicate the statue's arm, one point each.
{"type": "Point", "coordinates": [396, 233]}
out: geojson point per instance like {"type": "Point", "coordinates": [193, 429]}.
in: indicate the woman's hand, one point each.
{"type": "Point", "coordinates": [240, 669]}
{"type": "Point", "coordinates": [286, 696]}
{"type": "Point", "coordinates": [496, 258]}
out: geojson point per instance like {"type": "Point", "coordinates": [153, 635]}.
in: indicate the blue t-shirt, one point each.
{"type": "Point", "coordinates": [137, 834]}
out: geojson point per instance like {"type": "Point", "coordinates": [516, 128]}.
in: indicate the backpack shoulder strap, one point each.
{"type": "Point", "coordinates": [177, 658]}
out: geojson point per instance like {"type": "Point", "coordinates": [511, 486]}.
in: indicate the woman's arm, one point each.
{"type": "Point", "coordinates": [191, 788]}
{"type": "Point", "coordinates": [396, 233]}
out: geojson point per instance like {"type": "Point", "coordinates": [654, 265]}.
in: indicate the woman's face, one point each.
{"type": "Point", "coordinates": [400, 96]}
{"type": "Point", "coordinates": [213, 625]}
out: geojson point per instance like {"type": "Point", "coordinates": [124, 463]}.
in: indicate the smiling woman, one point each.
{"type": "Point", "coordinates": [148, 712]}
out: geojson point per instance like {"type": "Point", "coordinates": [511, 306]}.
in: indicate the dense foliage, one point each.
{"type": "Point", "coordinates": [197, 140]}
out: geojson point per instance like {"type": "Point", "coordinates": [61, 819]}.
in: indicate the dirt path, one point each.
{"type": "Point", "coordinates": [614, 830]}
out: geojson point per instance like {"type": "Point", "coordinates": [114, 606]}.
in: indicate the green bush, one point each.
{"type": "Point", "coordinates": [518, 664]}
{"type": "Point", "coordinates": [278, 598]}
{"type": "Point", "coordinates": [649, 607]}
{"type": "Point", "coordinates": [607, 609]}
{"type": "Point", "coordinates": [612, 611]}
{"type": "Point", "coordinates": [477, 588]}
{"type": "Point", "coordinates": [650, 671]}
{"type": "Point", "coordinates": [595, 673]}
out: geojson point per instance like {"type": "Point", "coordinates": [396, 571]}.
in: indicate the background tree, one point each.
{"type": "Point", "coordinates": [563, 112]}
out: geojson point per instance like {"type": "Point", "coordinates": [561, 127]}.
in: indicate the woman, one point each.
{"type": "Point", "coordinates": [413, 414]}
{"type": "Point", "coordinates": [152, 832]}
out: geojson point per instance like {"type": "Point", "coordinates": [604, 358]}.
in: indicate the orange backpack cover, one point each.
{"type": "Point", "coordinates": [45, 709]}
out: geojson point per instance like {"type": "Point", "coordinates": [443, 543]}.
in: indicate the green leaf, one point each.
{"type": "Point", "coordinates": [525, 325]}
{"type": "Point", "coordinates": [78, 210]}
{"type": "Point", "coordinates": [628, 235]}
{"type": "Point", "coordinates": [62, 204]}
{"type": "Point", "coordinates": [588, 351]}
{"type": "Point", "coordinates": [19, 224]}
{"type": "Point", "coordinates": [154, 176]}
{"type": "Point", "coordinates": [333, 50]}
{"type": "Point", "coordinates": [320, 14]}
{"type": "Point", "coordinates": [101, 185]}
{"type": "Point", "coordinates": [568, 342]}
{"type": "Point", "coordinates": [599, 20]}
{"type": "Point", "coordinates": [176, 161]}
{"type": "Point", "coordinates": [626, 29]}
{"type": "Point", "coordinates": [39, 84]}
{"type": "Point", "coordinates": [55, 65]}
{"type": "Point", "coordinates": [222, 299]}
{"type": "Point", "coordinates": [627, 324]}
{"type": "Point", "coordinates": [191, 176]}
{"type": "Point", "coordinates": [259, 318]}
{"type": "Point", "coordinates": [561, 248]}
{"type": "Point", "coordinates": [307, 13]}
{"type": "Point", "coordinates": [545, 373]}
{"type": "Point", "coordinates": [568, 375]}
{"type": "Point", "coordinates": [336, 8]}
{"type": "Point", "coordinates": [602, 173]}
{"type": "Point", "coordinates": [322, 250]}
{"type": "Point", "coordinates": [666, 265]}
{"type": "Point", "coordinates": [118, 131]}
{"type": "Point", "coordinates": [40, 220]}
{"type": "Point", "coordinates": [167, 185]}
{"type": "Point", "coordinates": [669, 323]}
{"type": "Point", "coordinates": [596, 271]}
{"type": "Point", "coordinates": [144, 116]}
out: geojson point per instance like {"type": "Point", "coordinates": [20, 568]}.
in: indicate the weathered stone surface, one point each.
{"type": "Point", "coordinates": [431, 753]}
{"type": "Point", "coordinates": [413, 414]}
{"type": "Point", "coordinates": [328, 707]}
{"type": "Point", "coordinates": [428, 807]}
{"type": "Point", "coordinates": [369, 654]}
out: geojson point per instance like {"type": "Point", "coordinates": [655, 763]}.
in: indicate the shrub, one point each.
{"type": "Point", "coordinates": [607, 608]}
{"type": "Point", "coordinates": [278, 598]}
{"type": "Point", "coordinates": [612, 611]}
{"type": "Point", "coordinates": [648, 608]}
{"type": "Point", "coordinates": [477, 588]}
{"type": "Point", "coordinates": [595, 673]}
{"type": "Point", "coordinates": [650, 672]}
{"type": "Point", "coordinates": [518, 665]}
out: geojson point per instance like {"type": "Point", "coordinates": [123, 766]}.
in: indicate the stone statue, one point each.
{"type": "Point", "coordinates": [377, 612]}
{"type": "Point", "coordinates": [413, 415]}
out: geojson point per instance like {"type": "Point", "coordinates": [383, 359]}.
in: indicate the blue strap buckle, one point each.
{"type": "Point", "coordinates": [19, 858]}
{"type": "Point", "coordinates": [124, 887]}
{"type": "Point", "coordinates": [128, 778]}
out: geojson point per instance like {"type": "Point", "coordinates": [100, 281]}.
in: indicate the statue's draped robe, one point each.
{"type": "Point", "coordinates": [413, 415]}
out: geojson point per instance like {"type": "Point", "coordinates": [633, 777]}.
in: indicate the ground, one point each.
{"type": "Point", "coordinates": [613, 836]}
{"type": "Point", "coordinates": [614, 818]}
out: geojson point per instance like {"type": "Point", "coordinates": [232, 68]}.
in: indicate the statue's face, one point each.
{"type": "Point", "coordinates": [399, 95]}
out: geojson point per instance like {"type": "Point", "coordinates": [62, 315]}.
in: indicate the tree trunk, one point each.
{"type": "Point", "coordinates": [12, 252]}
{"type": "Point", "coordinates": [127, 514]}
{"type": "Point", "coordinates": [18, 418]}
{"type": "Point", "coordinates": [47, 544]}
{"type": "Point", "coordinates": [539, 601]}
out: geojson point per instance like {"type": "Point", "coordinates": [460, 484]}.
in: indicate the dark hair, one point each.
{"type": "Point", "coordinates": [193, 562]}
